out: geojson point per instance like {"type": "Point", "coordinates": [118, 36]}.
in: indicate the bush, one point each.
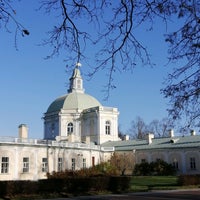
{"type": "Point", "coordinates": [13, 188]}
{"type": "Point", "coordinates": [103, 169]}
{"type": "Point", "coordinates": [142, 169]}
{"type": "Point", "coordinates": [59, 186]}
{"type": "Point", "coordinates": [119, 183]}
{"type": "Point", "coordinates": [189, 179]}
{"type": "Point", "coordinates": [2, 188]}
{"type": "Point", "coordinates": [160, 168]}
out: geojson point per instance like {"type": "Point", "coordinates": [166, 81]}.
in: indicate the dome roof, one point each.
{"type": "Point", "coordinates": [73, 100]}
{"type": "Point", "coordinates": [76, 98]}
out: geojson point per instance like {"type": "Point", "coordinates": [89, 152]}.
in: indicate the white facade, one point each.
{"type": "Point", "coordinates": [186, 161]}
{"type": "Point", "coordinates": [79, 133]}
{"type": "Point", "coordinates": [26, 159]}
{"type": "Point", "coordinates": [79, 117]}
{"type": "Point", "coordinates": [75, 125]}
{"type": "Point", "coordinates": [180, 151]}
{"type": "Point", "coordinates": [100, 124]}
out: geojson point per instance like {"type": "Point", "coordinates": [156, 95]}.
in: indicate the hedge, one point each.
{"type": "Point", "coordinates": [70, 185]}
{"type": "Point", "coordinates": [189, 179]}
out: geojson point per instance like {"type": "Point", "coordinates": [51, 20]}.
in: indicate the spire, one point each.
{"type": "Point", "coordinates": [76, 81]}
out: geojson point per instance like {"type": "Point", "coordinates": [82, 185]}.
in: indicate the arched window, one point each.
{"type": "Point", "coordinates": [70, 128]}
{"type": "Point", "coordinates": [107, 127]}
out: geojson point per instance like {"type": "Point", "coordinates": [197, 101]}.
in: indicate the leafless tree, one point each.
{"type": "Point", "coordinates": [123, 161]}
{"type": "Point", "coordinates": [117, 47]}
{"type": "Point", "coordinates": [160, 128]}
{"type": "Point", "coordinates": [113, 22]}
{"type": "Point", "coordinates": [183, 85]}
{"type": "Point", "coordinates": [138, 129]}
{"type": "Point", "coordinates": [7, 16]}
{"type": "Point", "coordinates": [121, 50]}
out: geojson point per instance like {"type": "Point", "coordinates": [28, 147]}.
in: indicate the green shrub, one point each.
{"type": "Point", "coordinates": [160, 168]}
{"type": "Point", "coordinates": [142, 169]}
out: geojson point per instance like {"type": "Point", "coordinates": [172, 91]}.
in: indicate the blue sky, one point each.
{"type": "Point", "coordinates": [29, 83]}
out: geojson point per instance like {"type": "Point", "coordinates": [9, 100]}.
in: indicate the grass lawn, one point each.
{"type": "Point", "coordinates": [146, 183]}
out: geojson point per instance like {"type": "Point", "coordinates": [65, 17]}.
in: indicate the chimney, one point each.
{"type": "Point", "coordinates": [150, 136]}
{"type": "Point", "coordinates": [171, 133]}
{"type": "Point", "coordinates": [126, 137]}
{"type": "Point", "coordinates": [23, 131]}
{"type": "Point", "coordinates": [192, 132]}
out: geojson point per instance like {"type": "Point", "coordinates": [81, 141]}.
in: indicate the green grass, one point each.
{"type": "Point", "coordinates": [146, 183]}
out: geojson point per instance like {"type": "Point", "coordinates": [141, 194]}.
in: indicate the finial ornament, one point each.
{"type": "Point", "coordinates": [78, 64]}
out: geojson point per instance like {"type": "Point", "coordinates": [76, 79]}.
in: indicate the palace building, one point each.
{"type": "Point", "coordinates": [79, 132]}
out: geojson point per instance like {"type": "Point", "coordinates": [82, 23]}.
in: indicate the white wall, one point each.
{"type": "Point", "coordinates": [35, 153]}
{"type": "Point", "coordinates": [182, 156]}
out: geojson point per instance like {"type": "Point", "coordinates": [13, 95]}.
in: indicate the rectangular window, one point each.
{"type": "Point", "coordinates": [4, 165]}
{"type": "Point", "coordinates": [60, 164]}
{"type": "Point", "coordinates": [143, 160]}
{"type": "Point", "coordinates": [25, 164]}
{"type": "Point", "coordinates": [44, 165]}
{"type": "Point", "coordinates": [84, 163]}
{"type": "Point", "coordinates": [73, 164]}
{"type": "Point", "coordinates": [192, 163]}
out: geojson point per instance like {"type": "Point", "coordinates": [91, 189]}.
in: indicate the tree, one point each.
{"type": "Point", "coordinates": [116, 34]}
{"type": "Point", "coordinates": [138, 128]}
{"type": "Point", "coordinates": [160, 128]}
{"type": "Point", "coordinates": [123, 161]}
{"type": "Point", "coordinates": [120, 50]}
{"type": "Point", "coordinates": [8, 15]}
{"type": "Point", "coordinates": [183, 90]}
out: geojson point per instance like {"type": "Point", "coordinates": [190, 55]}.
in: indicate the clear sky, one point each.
{"type": "Point", "coordinates": [29, 83]}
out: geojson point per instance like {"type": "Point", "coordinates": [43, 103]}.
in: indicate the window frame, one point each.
{"type": "Point", "coordinates": [108, 127]}
{"type": "Point", "coordinates": [4, 165]}
{"type": "Point", "coordinates": [84, 163]}
{"type": "Point", "coordinates": [60, 164]}
{"type": "Point", "coordinates": [26, 165]}
{"type": "Point", "coordinates": [192, 163]}
{"type": "Point", "coordinates": [73, 164]}
{"type": "Point", "coordinates": [70, 128]}
{"type": "Point", "coordinates": [44, 164]}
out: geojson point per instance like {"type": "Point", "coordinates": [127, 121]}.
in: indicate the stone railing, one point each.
{"type": "Point", "coordinates": [27, 141]}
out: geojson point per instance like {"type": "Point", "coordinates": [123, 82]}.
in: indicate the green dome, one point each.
{"type": "Point", "coordinates": [73, 100]}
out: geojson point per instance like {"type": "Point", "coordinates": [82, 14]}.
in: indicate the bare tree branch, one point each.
{"type": "Point", "coordinates": [7, 16]}
{"type": "Point", "coordinates": [116, 46]}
